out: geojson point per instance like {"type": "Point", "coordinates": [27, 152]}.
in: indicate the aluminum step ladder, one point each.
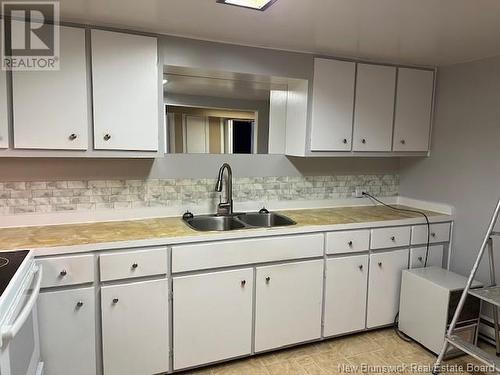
{"type": "Point", "coordinates": [489, 294]}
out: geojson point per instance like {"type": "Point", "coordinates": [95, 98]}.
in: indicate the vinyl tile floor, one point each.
{"type": "Point", "coordinates": [375, 352]}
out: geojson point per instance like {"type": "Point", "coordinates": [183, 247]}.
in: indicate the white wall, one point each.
{"type": "Point", "coordinates": [464, 167]}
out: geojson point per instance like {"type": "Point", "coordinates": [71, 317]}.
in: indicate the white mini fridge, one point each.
{"type": "Point", "coordinates": [429, 297]}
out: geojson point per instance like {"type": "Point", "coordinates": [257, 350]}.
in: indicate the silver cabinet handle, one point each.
{"type": "Point", "coordinates": [268, 279]}
{"type": "Point", "coordinates": [134, 266]}
{"type": "Point", "coordinates": [360, 267]}
{"type": "Point", "coordinates": [243, 282]}
{"type": "Point", "coordinates": [393, 238]}
{"type": "Point", "coordinates": [363, 141]}
{"type": "Point", "coordinates": [350, 243]}
{"type": "Point", "coordinates": [115, 300]}
{"type": "Point", "coordinates": [380, 264]}
{"type": "Point", "coordinates": [63, 273]}
{"type": "Point", "coordinates": [79, 304]}
{"type": "Point", "coordinates": [344, 141]}
{"type": "Point", "coordinates": [107, 137]}
{"type": "Point", "coordinates": [72, 137]}
{"type": "Point", "coordinates": [403, 142]}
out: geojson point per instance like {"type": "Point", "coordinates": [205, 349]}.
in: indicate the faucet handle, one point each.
{"type": "Point", "coordinates": [263, 210]}
{"type": "Point", "coordinates": [187, 215]}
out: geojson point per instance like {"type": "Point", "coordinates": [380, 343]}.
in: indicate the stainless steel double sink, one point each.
{"type": "Point", "coordinates": [237, 221]}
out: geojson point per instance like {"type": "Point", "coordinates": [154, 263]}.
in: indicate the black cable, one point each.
{"type": "Point", "coordinates": [396, 318]}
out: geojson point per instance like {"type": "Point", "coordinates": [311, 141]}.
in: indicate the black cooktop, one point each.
{"type": "Point", "coordinates": [9, 263]}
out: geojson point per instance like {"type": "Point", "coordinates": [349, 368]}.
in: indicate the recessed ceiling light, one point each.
{"type": "Point", "coordinates": [251, 4]}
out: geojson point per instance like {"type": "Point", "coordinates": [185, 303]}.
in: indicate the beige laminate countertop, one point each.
{"type": "Point", "coordinates": [131, 230]}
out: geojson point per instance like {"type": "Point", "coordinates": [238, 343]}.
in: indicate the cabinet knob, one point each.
{"type": "Point", "coordinates": [363, 141]}
{"type": "Point", "coordinates": [433, 234]}
{"type": "Point", "coordinates": [380, 264]}
{"type": "Point", "coordinates": [344, 141]}
{"type": "Point", "coordinates": [268, 279]}
{"type": "Point", "coordinates": [115, 300]}
{"type": "Point", "coordinates": [360, 267]}
{"type": "Point", "coordinates": [63, 273]}
{"type": "Point", "coordinates": [350, 243]}
{"type": "Point", "coordinates": [403, 142]}
{"type": "Point", "coordinates": [134, 266]}
{"type": "Point", "coordinates": [107, 137]}
{"type": "Point", "coordinates": [393, 238]}
{"type": "Point", "coordinates": [72, 137]}
{"type": "Point", "coordinates": [79, 304]}
{"type": "Point", "coordinates": [243, 282]}
{"type": "Point", "coordinates": [420, 259]}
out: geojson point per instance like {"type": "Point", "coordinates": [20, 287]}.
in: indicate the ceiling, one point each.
{"type": "Point", "coordinates": [422, 32]}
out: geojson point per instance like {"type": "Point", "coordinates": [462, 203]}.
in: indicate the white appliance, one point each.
{"type": "Point", "coordinates": [20, 280]}
{"type": "Point", "coordinates": [429, 297]}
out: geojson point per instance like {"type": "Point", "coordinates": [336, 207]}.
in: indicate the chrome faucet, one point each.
{"type": "Point", "coordinates": [225, 208]}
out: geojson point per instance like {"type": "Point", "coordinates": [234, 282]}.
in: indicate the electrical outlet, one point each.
{"type": "Point", "coordinates": [358, 192]}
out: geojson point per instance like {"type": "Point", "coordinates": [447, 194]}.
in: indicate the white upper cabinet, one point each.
{"type": "Point", "coordinates": [125, 86]}
{"type": "Point", "coordinates": [413, 109]}
{"type": "Point", "coordinates": [332, 105]}
{"type": "Point", "coordinates": [50, 108]}
{"type": "Point", "coordinates": [374, 108]}
{"type": "Point", "coordinates": [4, 114]}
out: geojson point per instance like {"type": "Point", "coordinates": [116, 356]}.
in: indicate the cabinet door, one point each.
{"type": "Point", "coordinates": [345, 294]}
{"type": "Point", "coordinates": [135, 328]}
{"type": "Point", "coordinates": [4, 112]}
{"type": "Point", "coordinates": [333, 104]}
{"type": "Point", "coordinates": [288, 304]}
{"type": "Point", "coordinates": [212, 317]}
{"type": "Point", "coordinates": [125, 84]}
{"type": "Point", "coordinates": [412, 122]}
{"type": "Point", "coordinates": [384, 285]}
{"type": "Point", "coordinates": [66, 321]}
{"type": "Point", "coordinates": [434, 258]}
{"type": "Point", "coordinates": [50, 107]}
{"type": "Point", "coordinates": [374, 108]}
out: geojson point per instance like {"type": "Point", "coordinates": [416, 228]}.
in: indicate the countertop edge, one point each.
{"type": "Point", "coordinates": [230, 235]}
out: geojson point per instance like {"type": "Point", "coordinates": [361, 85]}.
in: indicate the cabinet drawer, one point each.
{"type": "Point", "coordinates": [438, 233]}
{"type": "Point", "coordinates": [347, 242]}
{"type": "Point", "coordinates": [67, 270]}
{"type": "Point", "coordinates": [434, 258]}
{"type": "Point", "coordinates": [239, 252]}
{"type": "Point", "coordinates": [135, 263]}
{"type": "Point", "coordinates": [383, 238]}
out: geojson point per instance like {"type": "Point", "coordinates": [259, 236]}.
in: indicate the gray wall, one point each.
{"type": "Point", "coordinates": [464, 168]}
{"type": "Point", "coordinates": [197, 54]}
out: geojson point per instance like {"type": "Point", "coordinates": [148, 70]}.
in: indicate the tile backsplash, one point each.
{"type": "Point", "coordinates": [52, 196]}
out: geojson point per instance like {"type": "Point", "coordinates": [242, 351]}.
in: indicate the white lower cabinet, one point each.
{"type": "Point", "coordinates": [384, 284]}
{"type": "Point", "coordinates": [345, 294]}
{"type": "Point", "coordinates": [212, 317]}
{"type": "Point", "coordinates": [135, 337]}
{"type": "Point", "coordinates": [288, 304]}
{"type": "Point", "coordinates": [434, 257]}
{"type": "Point", "coordinates": [67, 331]}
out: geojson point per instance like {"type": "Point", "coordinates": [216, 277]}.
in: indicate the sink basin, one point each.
{"type": "Point", "coordinates": [237, 221]}
{"type": "Point", "coordinates": [213, 222]}
{"type": "Point", "coordinates": [267, 220]}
